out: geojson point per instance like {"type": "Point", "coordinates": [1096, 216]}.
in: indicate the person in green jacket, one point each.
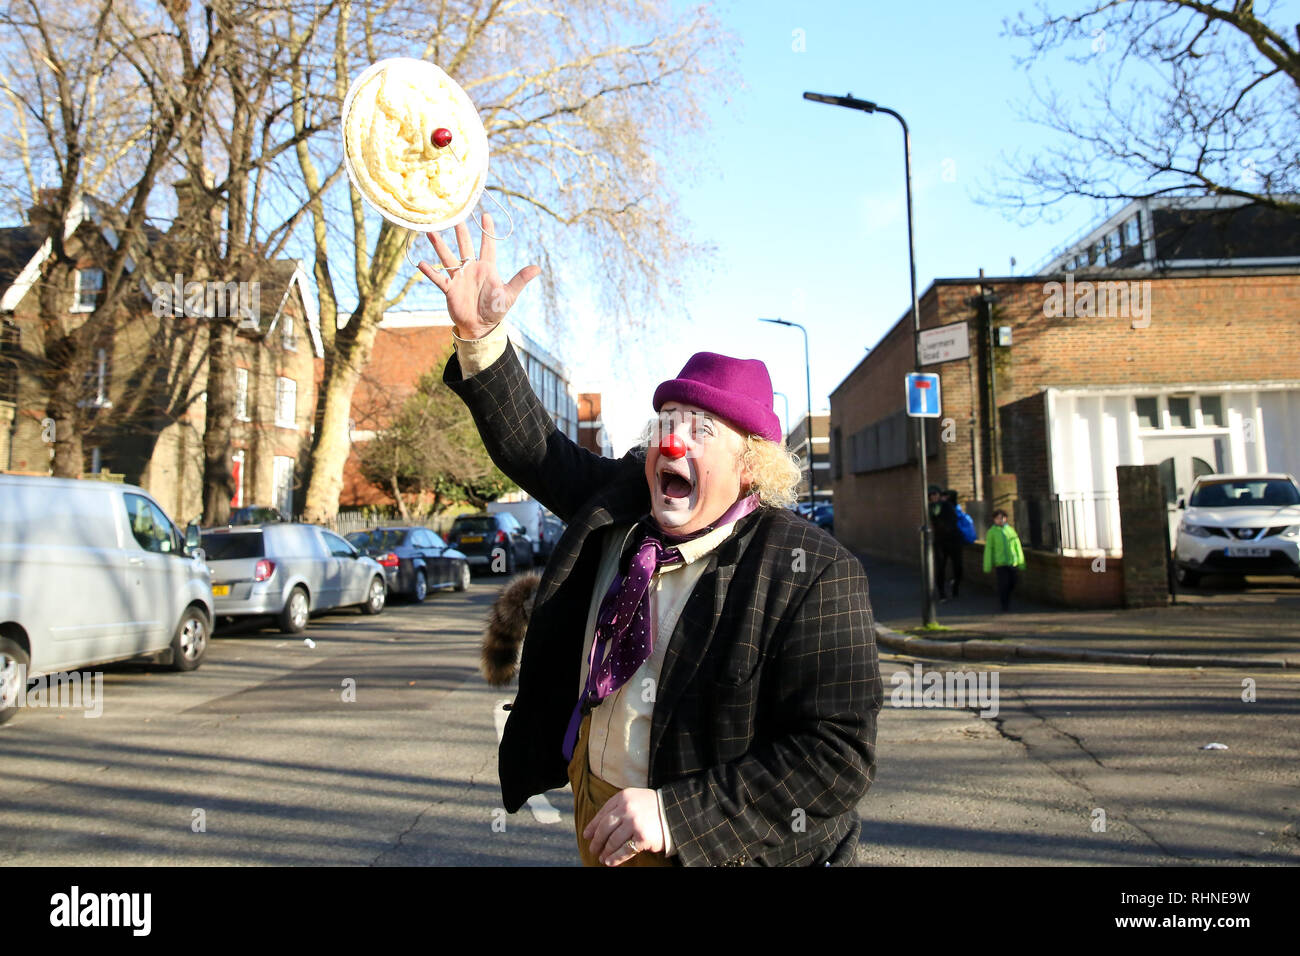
{"type": "Point", "coordinates": [1003, 554]}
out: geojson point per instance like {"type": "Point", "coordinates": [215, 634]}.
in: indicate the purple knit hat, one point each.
{"type": "Point", "coordinates": [738, 390]}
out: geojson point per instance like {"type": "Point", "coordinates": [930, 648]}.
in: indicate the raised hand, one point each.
{"type": "Point", "coordinates": [477, 299]}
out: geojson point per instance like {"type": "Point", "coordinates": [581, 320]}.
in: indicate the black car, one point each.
{"type": "Point", "coordinates": [414, 560]}
{"type": "Point", "coordinates": [498, 542]}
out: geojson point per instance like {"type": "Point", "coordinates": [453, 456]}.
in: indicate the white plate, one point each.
{"type": "Point", "coordinates": [480, 147]}
{"type": "Point", "coordinates": [1247, 552]}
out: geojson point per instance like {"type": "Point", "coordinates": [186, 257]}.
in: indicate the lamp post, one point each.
{"type": "Point", "coordinates": [927, 530]}
{"type": "Point", "coordinates": [807, 371]}
{"type": "Point", "coordinates": [785, 402]}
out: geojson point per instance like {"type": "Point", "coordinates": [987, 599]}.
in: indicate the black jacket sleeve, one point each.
{"type": "Point", "coordinates": [523, 441]}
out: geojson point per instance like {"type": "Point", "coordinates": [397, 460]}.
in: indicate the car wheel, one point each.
{"type": "Point", "coordinates": [293, 619]}
{"type": "Point", "coordinates": [462, 581]}
{"type": "Point", "coordinates": [378, 594]}
{"type": "Point", "coordinates": [421, 587]}
{"type": "Point", "coordinates": [1187, 578]}
{"type": "Point", "coordinates": [13, 674]}
{"type": "Point", "coordinates": [190, 643]}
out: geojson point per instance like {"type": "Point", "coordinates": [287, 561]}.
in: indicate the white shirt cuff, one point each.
{"type": "Point", "coordinates": [669, 849]}
{"type": "Point", "coordinates": [475, 355]}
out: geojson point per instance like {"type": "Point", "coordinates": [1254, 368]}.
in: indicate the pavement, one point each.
{"type": "Point", "coordinates": [1253, 624]}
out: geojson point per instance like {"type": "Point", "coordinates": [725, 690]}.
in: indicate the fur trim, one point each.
{"type": "Point", "coordinates": [507, 623]}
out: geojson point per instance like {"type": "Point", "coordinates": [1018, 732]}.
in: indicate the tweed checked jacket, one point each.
{"type": "Point", "coordinates": [764, 727]}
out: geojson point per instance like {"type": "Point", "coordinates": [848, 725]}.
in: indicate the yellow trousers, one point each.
{"type": "Point", "coordinates": [590, 793]}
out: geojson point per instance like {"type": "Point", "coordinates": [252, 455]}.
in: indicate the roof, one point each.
{"type": "Point", "coordinates": [24, 248]}
{"type": "Point", "coordinates": [18, 244]}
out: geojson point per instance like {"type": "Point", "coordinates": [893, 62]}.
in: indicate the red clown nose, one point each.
{"type": "Point", "coordinates": [672, 447]}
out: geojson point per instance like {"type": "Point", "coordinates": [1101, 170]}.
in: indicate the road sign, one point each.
{"type": "Point", "coordinates": [945, 343]}
{"type": "Point", "coordinates": [923, 395]}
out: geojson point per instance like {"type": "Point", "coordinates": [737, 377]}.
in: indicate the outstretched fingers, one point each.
{"type": "Point", "coordinates": [448, 258]}
{"type": "Point", "coordinates": [524, 276]}
{"type": "Point", "coordinates": [487, 250]}
{"type": "Point", "coordinates": [433, 275]}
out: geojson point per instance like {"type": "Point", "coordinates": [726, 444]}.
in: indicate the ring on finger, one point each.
{"type": "Point", "coordinates": [631, 845]}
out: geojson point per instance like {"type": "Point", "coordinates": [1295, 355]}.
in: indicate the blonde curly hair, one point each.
{"type": "Point", "coordinates": [774, 471]}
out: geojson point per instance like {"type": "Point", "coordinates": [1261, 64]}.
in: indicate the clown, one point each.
{"type": "Point", "coordinates": [699, 662]}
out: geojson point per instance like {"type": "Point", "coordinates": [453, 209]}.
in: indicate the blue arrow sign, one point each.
{"type": "Point", "coordinates": [923, 395]}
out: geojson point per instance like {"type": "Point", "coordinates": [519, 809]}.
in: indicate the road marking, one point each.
{"type": "Point", "coordinates": [540, 807]}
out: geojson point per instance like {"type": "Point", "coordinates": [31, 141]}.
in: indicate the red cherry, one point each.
{"type": "Point", "coordinates": [672, 447]}
{"type": "Point", "coordinates": [441, 137]}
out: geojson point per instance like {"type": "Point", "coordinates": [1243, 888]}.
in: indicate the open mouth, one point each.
{"type": "Point", "coordinates": [674, 484]}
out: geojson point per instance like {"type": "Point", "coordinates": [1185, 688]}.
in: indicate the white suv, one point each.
{"type": "Point", "coordinates": [1239, 524]}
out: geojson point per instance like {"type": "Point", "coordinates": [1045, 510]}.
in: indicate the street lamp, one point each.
{"type": "Point", "coordinates": [785, 402]}
{"type": "Point", "coordinates": [807, 370]}
{"type": "Point", "coordinates": [927, 530]}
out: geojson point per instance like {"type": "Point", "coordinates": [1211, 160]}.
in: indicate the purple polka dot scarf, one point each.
{"type": "Point", "coordinates": [625, 633]}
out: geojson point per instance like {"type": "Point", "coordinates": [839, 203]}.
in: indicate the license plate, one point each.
{"type": "Point", "coordinates": [472, 539]}
{"type": "Point", "coordinates": [220, 590]}
{"type": "Point", "coordinates": [1246, 552]}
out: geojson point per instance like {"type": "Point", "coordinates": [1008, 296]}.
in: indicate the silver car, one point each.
{"type": "Point", "coordinates": [289, 571]}
{"type": "Point", "coordinates": [91, 572]}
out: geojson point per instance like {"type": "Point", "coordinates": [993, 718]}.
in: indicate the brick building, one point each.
{"type": "Point", "coordinates": [1168, 335]}
{"type": "Point", "coordinates": [145, 385]}
{"type": "Point", "coordinates": [411, 343]}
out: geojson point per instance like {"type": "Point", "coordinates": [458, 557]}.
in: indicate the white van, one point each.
{"type": "Point", "coordinates": [92, 572]}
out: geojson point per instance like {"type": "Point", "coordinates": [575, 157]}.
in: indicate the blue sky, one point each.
{"type": "Point", "coordinates": [805, 204]}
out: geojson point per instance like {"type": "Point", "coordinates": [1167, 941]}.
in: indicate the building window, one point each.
{"type": "Point", "coordinates": [241, 394]}
{"type": "Point", "coordinates": [1211, 411]}
{"type": "Point", "coordinates": [1112, 247]}
{"type": "Point", "coordinates": [1148, 412]}
{"type": "Point", "coordinates": [1180, 412]}
{"type": "Point", "coordinates": [289, 340]}
{"type": "Point", "coordinates": [1131, 234]}
{"type": "Point", "coordinates": [286, 402]}
{"type": "Point", "coordinates": [88, 286]}
{"type": "Point", "coordinates": [95, 383]}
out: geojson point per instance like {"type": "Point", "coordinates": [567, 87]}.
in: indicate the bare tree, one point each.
{"type": "Point", "coordinates": [1192, 97]}
{"type": "Point", "coordinates": [590, 108]}
{"type": "Point", "coordinates": [82, 117]}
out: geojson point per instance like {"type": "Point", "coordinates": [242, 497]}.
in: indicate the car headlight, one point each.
{"type": "Point", "coordinates": [1195, 530]}
{"type": "Point", "coordinates": [1293, 531]}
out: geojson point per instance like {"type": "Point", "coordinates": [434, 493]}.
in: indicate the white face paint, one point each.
{"type": "Point", "coordinates": [689, 493]}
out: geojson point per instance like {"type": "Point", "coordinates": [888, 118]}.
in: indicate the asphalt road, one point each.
{"type": "Point", "coordinates": [259, 758]}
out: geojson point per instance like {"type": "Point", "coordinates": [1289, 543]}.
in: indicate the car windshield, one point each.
{"type": "Point", "coordinates": [224, 546]}
{"type": "Point", "coordinates": [474, 525]}
{"type": "Point", "coordinates": [381, 539]}
{"type": "Point", "coordinates": [1245, 493]}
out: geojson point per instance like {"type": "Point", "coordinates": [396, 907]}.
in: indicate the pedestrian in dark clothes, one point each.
{"type": "Point", "coordinates": [947, 542]}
